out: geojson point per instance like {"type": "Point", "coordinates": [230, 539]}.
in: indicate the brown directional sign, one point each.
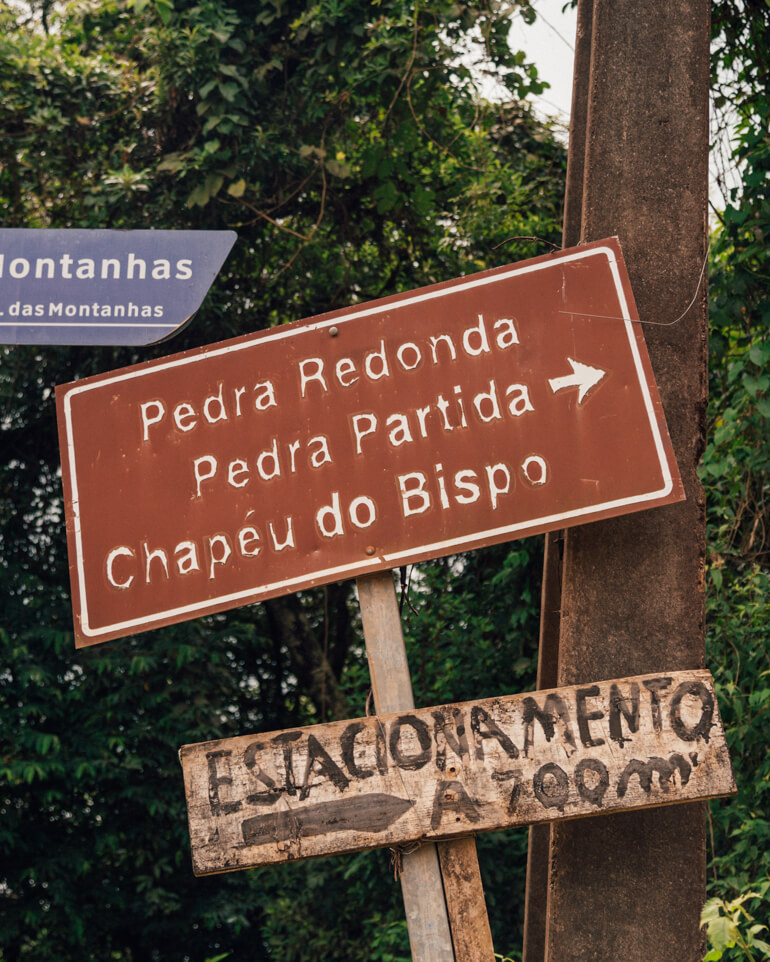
{"type": "Point", "coordinates": [487, 408]}
{"type": "Point", "coordinates": [437, 773]}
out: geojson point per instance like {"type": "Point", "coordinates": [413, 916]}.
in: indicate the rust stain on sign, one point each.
{"type": "Point", "coordinates": [438, 773]}
{"type": "Point", "coordinates": [423, 424]}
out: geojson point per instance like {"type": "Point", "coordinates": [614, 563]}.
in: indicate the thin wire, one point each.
{"type": "Point", "coordinates": [638, 320]}
{"type": "Point", "coordinates": [615, 317]}
{"type": "Point", "coordinates": [563, 119]}
{"type": "Point", "coordinates": [527, 237]}
{"type": "Point", "coordinates": [551, 26]}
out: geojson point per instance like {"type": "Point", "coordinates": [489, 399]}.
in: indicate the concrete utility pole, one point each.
{"type": "Point", "coordinates": [538, 852]}
{"type": "Point", "coordinates": [630, 598]}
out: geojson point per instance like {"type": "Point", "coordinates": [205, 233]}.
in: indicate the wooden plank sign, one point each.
{"type": "Point", "coordinates": [475, 411]}
{"type": "Point", "coordinates": [439, 773]}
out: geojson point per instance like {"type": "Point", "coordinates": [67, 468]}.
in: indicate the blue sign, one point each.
{"type": "Point", "coordinates": [109, 287]}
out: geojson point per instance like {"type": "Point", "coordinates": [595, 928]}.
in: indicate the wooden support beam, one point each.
{"type": "Point", "coordinates": [426, 912]}
{"type": "Point", "coordinates": [464, 893]}
{"type": "Point", "coordinates": [421, 883]}
{"type": "Point", "coordinates": [632, 593]}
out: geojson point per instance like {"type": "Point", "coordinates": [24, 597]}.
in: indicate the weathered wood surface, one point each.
{"type": "Point", "coordinates": [438, 773]}
{"type": "Point", "coordinates": [464, 891]}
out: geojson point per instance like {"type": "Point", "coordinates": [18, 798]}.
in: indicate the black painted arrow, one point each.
{"type": "Point", "coordinates": [362, 813]}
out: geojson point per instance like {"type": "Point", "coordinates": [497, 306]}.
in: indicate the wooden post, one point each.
{"type": "Point", "coordinates": [632, 591]}
{"type": "Point", "coordinates": [427, 913]}
{"type": "Point", "coordinates": [465, 903]}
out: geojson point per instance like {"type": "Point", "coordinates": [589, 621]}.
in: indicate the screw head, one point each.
{"type": "Point", "coordinates": [333, 331]}
{"type": "Point", "coordinates": [370, 550]}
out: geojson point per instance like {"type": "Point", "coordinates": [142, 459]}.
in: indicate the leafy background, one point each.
{"type": "Point", "coordinates": [348, 144]}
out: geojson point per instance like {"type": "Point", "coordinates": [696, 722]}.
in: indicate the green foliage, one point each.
{"type": "Point", "coordinates": [348, 146]}
{"type": "Point", "coordinates": [471, 624]}
{"type": "Point", "coordinates": [736, 473]}
{"type": "Point", "coordinates": [730, 925]}
{"type": "Point", "coordinates": [738, 457]}
{"type": "Point", "coordinates": [314, 904]}
{"type": "Point", "coordinates": [738, 612]}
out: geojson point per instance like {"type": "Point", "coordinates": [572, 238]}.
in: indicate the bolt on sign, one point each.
{"type": "Point", "coordinates": [463, 414]}
{"type": "Point", "coordinates": [439, 773]}
{"type": "Point", "coordinates": [104, 286]}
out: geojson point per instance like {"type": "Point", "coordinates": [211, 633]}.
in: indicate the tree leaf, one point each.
{"type": "Point", "coordinates": [722, 932]}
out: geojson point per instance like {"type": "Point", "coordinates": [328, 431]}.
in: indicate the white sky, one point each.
{"type": "Point", "coordinates": [550, 43]}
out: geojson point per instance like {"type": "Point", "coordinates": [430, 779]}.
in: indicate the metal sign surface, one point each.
{"type": "Point", "coordinates": [487, 408]}
{"type": "Point", "coordinates": [120, 287]}
{"type": "Point", "coordinates": [438, 773]}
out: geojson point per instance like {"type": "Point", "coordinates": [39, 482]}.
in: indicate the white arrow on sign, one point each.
{"type": "Point", "coordinates": [583, 377]}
